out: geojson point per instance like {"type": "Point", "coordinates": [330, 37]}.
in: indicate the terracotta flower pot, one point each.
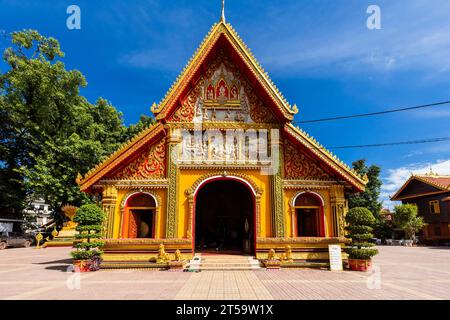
{"type": "Point", "coordinates": [81, 265]}
{"type": "Point", "coordinates": [360, 265]}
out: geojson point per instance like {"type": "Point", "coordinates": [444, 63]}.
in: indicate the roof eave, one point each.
{"type": "Point", "coordinates": [344, 170]}
{"type": "Point", "coordinates": [96, 173]}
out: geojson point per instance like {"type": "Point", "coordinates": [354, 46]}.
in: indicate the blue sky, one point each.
{"type": "Point", "coordinates": [319, 53]}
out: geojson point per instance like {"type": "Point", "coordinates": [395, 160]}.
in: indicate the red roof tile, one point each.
{"type": "Point", "coordinates": [443, 181]}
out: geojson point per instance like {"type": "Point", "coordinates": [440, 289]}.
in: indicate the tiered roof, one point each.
{"type": "Point", "coordinates": [183, 82]}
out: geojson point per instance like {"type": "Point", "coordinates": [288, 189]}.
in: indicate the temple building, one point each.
{"type": "Point", "coordinates": [431, 193]}
{"type": "Point", "coordinates": [223, 168]}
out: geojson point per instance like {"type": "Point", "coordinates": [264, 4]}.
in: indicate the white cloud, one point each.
{"type": "Point", "coordinates": [415, 35]}
{"type": "Point", "coordinates": [397, 177]}
{"type": "Point", "coordinates": [315, 38]}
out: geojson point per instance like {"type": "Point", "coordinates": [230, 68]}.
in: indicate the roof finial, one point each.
{"type": "Point", "coordinates": [223, 11]}
{"type": "Point", "coordinates": [431, 173]}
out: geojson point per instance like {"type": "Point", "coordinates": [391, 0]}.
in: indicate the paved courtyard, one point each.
{"type": "Point", "coordinates": [399, 273]}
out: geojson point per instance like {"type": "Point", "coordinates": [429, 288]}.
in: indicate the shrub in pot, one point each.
{"type": "Point", "coordinates": [87, 256]}
{"type": "Point", "coordinates": [359, 227]}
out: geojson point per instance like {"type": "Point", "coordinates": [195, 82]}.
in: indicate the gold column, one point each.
{"type": "Point", "coordinates": [172, 195]}
{"type": "Point", "coordinates": [258, 214]}
{"type": "Point", "coordinates": [191, 215]}
{"type": "Point", "coordinates": [109, 208]}
{"type": "Point", "coordinates": [278, 216]}
{"type": "Point", "coordinates": [338, 209]}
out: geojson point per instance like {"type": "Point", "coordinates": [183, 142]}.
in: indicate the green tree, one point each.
{"type": "Point", "coordinates": [49, 132]}
{"type": "Point", "coordinates": [406, 217]}
{"type": "Point", "coordinates": [360, 223]}
{"type": "Point", "coordinates": [89, 218]}
{"type": "Point", "coordinates": [370, 197]}
{"type": "Point", "coordinates": [143, 123]}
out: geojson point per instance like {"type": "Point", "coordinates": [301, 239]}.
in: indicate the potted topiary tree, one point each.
{"type": "Point", "coordinates": [359, 226]}
{"type": "Point", "coordinates": [87, 255]}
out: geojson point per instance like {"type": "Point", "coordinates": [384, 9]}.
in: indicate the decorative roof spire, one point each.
{"type": "Point", "coordinates": [223, 11]}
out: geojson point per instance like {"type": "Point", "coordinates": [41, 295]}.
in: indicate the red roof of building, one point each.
{"type": "Point", "coordinates": [442, 181]}
{"type": "Point", "coordinates": [438, 181]}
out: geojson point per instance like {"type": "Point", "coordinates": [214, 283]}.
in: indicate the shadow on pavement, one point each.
{"type": "Point", "coordinates": [62, 267]}
{"type": "Point", "coordinates": [68, 261]}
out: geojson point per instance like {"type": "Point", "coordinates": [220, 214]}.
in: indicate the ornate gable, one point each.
{"type": "Point", "coordinates": [145, 140]}
{"type": "Point", "coordinates": [223, 94]}
{"type": "Point", "coordinates": [222, 36]}
{"type": "Point", "coordinates": [329, 162]}
{"type": "Point", "coordinates": [222, 83]}
{"type": "Point", "coordinates": [298, 166]}
{"type": "Point", "coordinates": [150, 164]}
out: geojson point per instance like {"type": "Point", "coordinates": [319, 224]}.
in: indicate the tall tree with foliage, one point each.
{"type": "Point", "coordinates": [406, 218]}
{"type": "Point", "coordinates": [49, 132]}
{"type": "Point", "coordinates": [370, 197]}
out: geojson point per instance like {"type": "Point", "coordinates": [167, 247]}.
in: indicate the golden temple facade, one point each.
{"type": "Point", "coordinates": [223, 168]}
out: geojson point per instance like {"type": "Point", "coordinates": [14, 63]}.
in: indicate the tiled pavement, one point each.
{"type": "Point", "coordinates": [400, 273]}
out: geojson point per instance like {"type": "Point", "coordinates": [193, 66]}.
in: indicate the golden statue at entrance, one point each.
{"type": "Point", "coordinates": [287, 255]}
{"type": "Point", "coordinates": [271, 255]}
{"type": "Point", "coordinates": [162, 255]}
{"type": "Point", "coordinates": [178, 255]}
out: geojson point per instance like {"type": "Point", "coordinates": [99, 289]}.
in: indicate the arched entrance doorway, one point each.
{"type": "Point", "coordinates": [309, 214]}
{"type": "Point", "coordinates": [224, 217]}
{"type": "Point", "coordinates": [139, 217]}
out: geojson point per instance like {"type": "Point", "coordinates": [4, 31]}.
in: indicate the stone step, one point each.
{"type": "Point", "coordinates": [223, 262]}
{"type": "Point", "coordinates": [229, 269]}
{"type": "Point", "coordinates": [207, 260]}
{"type": "Point", "coordinates": [112, 265]}
{"type": "Point", "coordinates": [227, 264]}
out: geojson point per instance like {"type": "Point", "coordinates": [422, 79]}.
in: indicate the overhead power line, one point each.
{"type": "Point", "coordinates": [391, 143]}
{"type": "Point", "coordinates": [375, 113]}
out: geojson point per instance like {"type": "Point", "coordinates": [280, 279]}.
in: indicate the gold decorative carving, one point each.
{"type": "Point", "coordinates": [298, 166]}
{"type": "Point", "coordinates": [190, 191]}
{"type": "Point", "coordinates": [338, 209]}
{"type": "Point", "coordinates": [223, 87]}
{"type": "Point", "coordinates": [282, 242]}
{"type": "Point", "coordinates": [109, 207]}
{"type": "Point", "coordinates": [150, 164]}
{"type": "Point", "coordinates": [135, 184]}
{"type": "Point", "coordinates": [186, 112]}
{"type": "Point", "coordinates": [172, 195]}
{"type": "Point", "coordinates": [124, 152]}
{"type": "Point", "coordinates": [350, 175]}
{"type": "Point", "coordinates": [183, 80]}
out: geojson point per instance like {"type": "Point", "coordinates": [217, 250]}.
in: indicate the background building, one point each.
{"type": "Point", "coordinates": [431, 194]}
{"type": "Point", "coordinates": [39, 212]}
